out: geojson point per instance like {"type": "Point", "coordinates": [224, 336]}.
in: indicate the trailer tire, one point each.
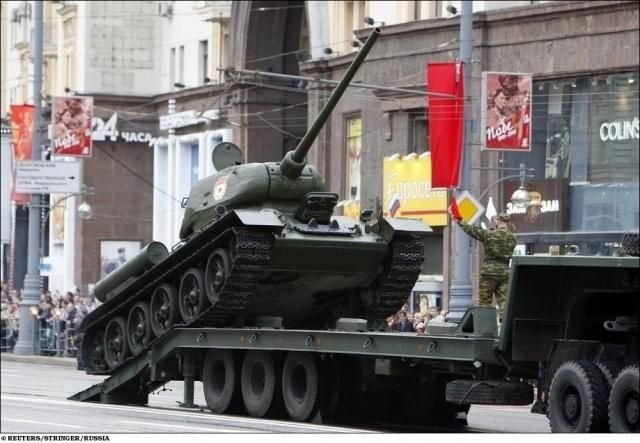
{"type": "Point", "coordinates": [623, 401]}
{"type": "Point", "coordinates": [468, 392]}
{"type": "Point", "coordinates": [434, 409]}
{"type": "Point", "coordinates": [261, 382]}
{"type": "Point", "coordinates": [219, 380]}
{"type": "Point", "coordinates": [578, 398]}
{"type": "Point", "coordinates": [609, 369]}
{"type": "Point", "coordinates": [300, 385]}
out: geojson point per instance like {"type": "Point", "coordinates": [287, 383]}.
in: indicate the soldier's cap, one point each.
{"type": "Point", "coordinates": [503, 217]}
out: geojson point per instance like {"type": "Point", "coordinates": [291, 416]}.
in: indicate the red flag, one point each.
{"type": "Point", "coordinates": [445, 122]}
{"type": "Point", "coordinates": [453, 209]}
{"type": "Point", "coordinates": [22, 125]}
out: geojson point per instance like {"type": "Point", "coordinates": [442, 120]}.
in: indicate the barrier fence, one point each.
{"type": "Point", "coordinates": [56, 338]}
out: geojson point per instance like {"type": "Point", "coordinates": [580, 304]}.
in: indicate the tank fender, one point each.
{"type": "Point", "coordinates": [387, 227]}
{"type": "Point", "coordinates": [258, 218]}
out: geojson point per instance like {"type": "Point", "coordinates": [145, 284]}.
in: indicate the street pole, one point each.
{"type": "Point", "coordinates": [460, 292]}
{"type": "Point", "coordinates": [31, 293]}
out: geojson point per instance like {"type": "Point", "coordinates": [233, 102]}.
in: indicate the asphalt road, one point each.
{"type": "Point", "coordinates": [34, 395]}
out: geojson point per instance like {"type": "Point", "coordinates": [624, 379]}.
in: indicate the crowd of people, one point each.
{"type": "Point", "coordinates": [56, 316]}
{"type": "Point", "coordinates": [406, 321]}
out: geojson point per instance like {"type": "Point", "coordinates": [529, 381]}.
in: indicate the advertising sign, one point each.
{"type": "Point", "coordinates": [408, 192]}
{"type": "Point", "coordinates": [72, 121]}
{"type": "Point", "coordinates": [22, 121]}
{"type": "Point", "coordinates": [506, 111]}
{"type": "Point", "coordinates": [547, 210]}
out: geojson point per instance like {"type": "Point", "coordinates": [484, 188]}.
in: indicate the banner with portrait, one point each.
{"type": "Point", "coordinates": [71, 126]}
{"type": "Point", "coordinates": [506, 111]}
{"type": "Point", "coordinates": [22, 124]}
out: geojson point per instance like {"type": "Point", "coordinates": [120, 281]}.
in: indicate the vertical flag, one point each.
{"type": "Point", "coordinates": [445, 122]}
{"type": "Point", "coordinates": [491, 210]}
{"type": "Point", "coordinates": [22, 125]}
{"type": "Point", "coordinates": [453, 208]}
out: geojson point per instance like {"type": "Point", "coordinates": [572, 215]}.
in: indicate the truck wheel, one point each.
{"type": "Point", "coordinates": [115, 342]}
{"type": "Point", "coordinates": [219, 381]}
{"type": "Point", "coordinates": [164, 309]}
{"type": "Point", "coordinates": [578, 398]}
{"type": "Point", "coordinates": [609, 369]}
{"type": "Point", "coordinates": [476, 392]}
{"type": "Point", "coordinates": [138, 327]}
{"type": "Point", "coordinates": [426, 404]}
{"type": "Point", "coordinates": [192, 299]}
{"type": "Point", "coordinates": [215, 274]}
{"type": "Point", "coordinates": [300, 385]}
{"type": "Point", "coordinates": [261, 381]}
{"type": "Point", "coordinates": [623, 402]}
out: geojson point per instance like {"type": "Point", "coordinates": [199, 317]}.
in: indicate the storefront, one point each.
{"type": "Point", "coordinates": [585, 155]}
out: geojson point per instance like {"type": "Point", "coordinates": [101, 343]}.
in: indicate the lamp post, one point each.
{"type": "Point", "coordinates": [520, 198]}
{"type": "Point", "coordinates": [31, 293]}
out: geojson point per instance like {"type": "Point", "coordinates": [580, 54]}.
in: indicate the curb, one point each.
{"type": "Point", "coordinates": [38, 359]}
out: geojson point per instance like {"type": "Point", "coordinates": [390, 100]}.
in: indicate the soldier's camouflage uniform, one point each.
{"type": "Point", "coordinates": [494, 275]}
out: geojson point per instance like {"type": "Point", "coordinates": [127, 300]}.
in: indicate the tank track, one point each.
{"type": "Point", "coordinates": [250, 255]}
{"type": "Point", "coordinates": [401, 273]}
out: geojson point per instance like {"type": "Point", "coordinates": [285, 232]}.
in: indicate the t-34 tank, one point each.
{"type": "Point", "coordinates": [258, 241]}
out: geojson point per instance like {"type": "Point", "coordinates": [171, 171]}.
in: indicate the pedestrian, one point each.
{"type": "Point", "coordinates": [498, 248]}
{"type": "Point", "coordinates": [404, 325]}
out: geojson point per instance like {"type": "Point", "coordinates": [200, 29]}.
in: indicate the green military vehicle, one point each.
{"type": "Point", "coordinates": [278, 306]}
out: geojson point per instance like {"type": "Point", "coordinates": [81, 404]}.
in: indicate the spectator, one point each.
{"type": "Point", "coordinates": [441, 316]}
{"type": "Point", "coordinates": [404, 325]}
{"type": "Point", "coordinates": [421, 328]}
{"type": "Point", "coordinates": [81, 312]}
{"type": "Point", "coordinates": [393, 322]}
{"type": "Point", "coordinates": [417, 319]}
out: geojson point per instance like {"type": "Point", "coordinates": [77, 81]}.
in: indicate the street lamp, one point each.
{"type": "Point", "coordinates": [521, 197]}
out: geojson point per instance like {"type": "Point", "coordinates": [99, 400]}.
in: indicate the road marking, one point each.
{"type": "Point", "coordinates": [192, 428]}
{"type": "Point", "coordinates": [242, 421]}
{"type": "Point", "coordinates": [42, 423]}
{"type": "Point", "coordinates": [12, 375]}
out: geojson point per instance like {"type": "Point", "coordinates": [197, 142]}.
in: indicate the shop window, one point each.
{"type": "Point", "coordinates": [354, 151]}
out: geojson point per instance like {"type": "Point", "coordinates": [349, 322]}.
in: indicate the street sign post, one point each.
{"type": "Point", "coordinates": [46, 177]}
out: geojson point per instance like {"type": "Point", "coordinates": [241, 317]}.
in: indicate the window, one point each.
{"type": "Point", "coordinates": [181, 64]}
{"type": "Point", "coordinates": [172, 67]}
{"type": "Point", "coordinates": [354, 150]}
{"type": "Point", "coordinates": [204, 61]}
{"type": "Point", "coordinates": [420, 135]}
{"type": "Point", "coordinates": [195, 168]}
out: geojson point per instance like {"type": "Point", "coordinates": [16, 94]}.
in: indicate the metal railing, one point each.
{"type": "Point", "coordinates": [57, 338]}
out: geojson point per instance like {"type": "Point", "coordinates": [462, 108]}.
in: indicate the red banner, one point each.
{"type": "Point", "coordinates": [22, 125]}
{"type": "Point", "coordinates": [506, 111]}
{"type": "Point", "coordinates": [445, 122]}
{"type": "Point", "coordinates": [72, 126]}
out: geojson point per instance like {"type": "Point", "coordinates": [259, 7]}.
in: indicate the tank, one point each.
{"type": "Point", "coordinates": [258, 241]}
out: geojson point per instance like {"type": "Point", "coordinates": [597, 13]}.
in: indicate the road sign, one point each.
{"type": "Point", "coordinates": [41, 177]}
{"type": "Point", "coordinates": [469, 207]}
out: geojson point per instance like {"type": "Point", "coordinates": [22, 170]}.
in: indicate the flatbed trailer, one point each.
{"type": "Point", "coordinates": [570, 329]}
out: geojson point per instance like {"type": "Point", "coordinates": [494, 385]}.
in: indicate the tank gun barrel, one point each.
{"type": "Point", "coordinates": [293, 163]}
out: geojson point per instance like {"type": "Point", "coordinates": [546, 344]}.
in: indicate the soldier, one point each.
{"type": "Point", "coordinates": [498, 247]}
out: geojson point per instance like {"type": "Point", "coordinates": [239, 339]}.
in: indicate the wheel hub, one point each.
{"type": "Point", "coordinates": [571, 407]}
{"type": "Point", "coordinates": [631, 411]}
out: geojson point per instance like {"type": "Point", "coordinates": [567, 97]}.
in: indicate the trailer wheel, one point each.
{"type": "Point", "coordinates": [115, 342]}
{"type": "Point", "coordinates": [261, 382]}
{"type": "Point", "coordinates": [433, 409]}
{"type": "Point", "coordinates": [489, 392]}
{"type": "Point", "coordinates": [578, 398]}
{"type": "Point", "coordinates": [623, 402]}
{"type": "Point", "coordinates": [300, 385]}
{"type": "Point", "coordinates": [164, 309]}
{"type": "Point", "coordinates": [138, 327]}
{"type": "Point", "coordinates": [219, 381]}
{"type": "Point", "coordinates": [215, 274]}
{"type": "Point", "coordinates": [192, 299]}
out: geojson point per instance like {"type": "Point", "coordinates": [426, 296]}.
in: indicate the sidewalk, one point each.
{"type": "Point", "coordinates": [38, 359]}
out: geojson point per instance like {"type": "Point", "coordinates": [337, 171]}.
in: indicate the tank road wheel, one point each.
{"type": "Point", "coordinates": [261, 382]}
{"type": "Point", "coordinates": [95, 352]}
{"type": "Point", "coordinates": [300, 385]}
{"type": "Point", "coordinates": [219, 381]}
{"type": "Point", "coordinates": [115, 342]}
{"type": "Point", "coordinates": [578, 398]}
{"type": "Point", "coordinates": [192, 299]}
{"type": "Point", "coordinates": [623, 402]}
{"type": "Point", "coordinates": [164, 309]}
{"type": "Point", "coordinates": [138, 327]}
{"type": "Point", "coordinates": [216, 273]}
